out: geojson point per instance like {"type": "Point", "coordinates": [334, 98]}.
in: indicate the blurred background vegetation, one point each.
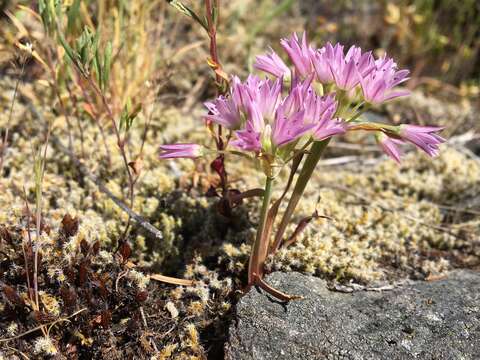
{"type": "Point", "coordinates": [149, 62]}
{"type": "Point", "coordinates": [158, 73]}
{"type": "Point", "coordinates": [434, 38]}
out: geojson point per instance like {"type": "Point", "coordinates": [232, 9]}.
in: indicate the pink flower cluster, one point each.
{"type": "Point", "coordinates": [266, 119]}
{"type": "Point", "coordinates": [269, 116]}
{"type": "Point", "coordinates": [329, 64]}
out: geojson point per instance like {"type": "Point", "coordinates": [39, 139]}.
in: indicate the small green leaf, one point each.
{"type": "Point", "coordinates": [73, 16]}
{"type": "Point", "coordinates": [97, 66]}
{"type": "Point", "coordinates": [68, 50]}
{"type": "Point", "coordinates": [128, 116]}
{"type": "Point", "coordinates": [188, 12]}
{"type": "Point", "coordinates": [107, 62]}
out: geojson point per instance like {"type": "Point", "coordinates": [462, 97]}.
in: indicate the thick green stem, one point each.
{"type": "Point", "coordinates": [260, 246]}
{"type": "Point", "coordinates": [307, 170]}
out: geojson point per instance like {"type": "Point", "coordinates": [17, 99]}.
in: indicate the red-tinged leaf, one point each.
{"type": "Point", "coordinates": [301, 227]}
{"type": "Point", "coordinates": [141, 296]}
{"type": "Point", "coordinates": [218, 166]}
{"type": "Point", "coordinates": [96, 247]}
{"type": "Point", "coordinates": [84, 247]}
{"type": "Point", "coordinates": [222, 74]}
{"type": "Point", "coordinates": [5, 235]}
{"type": "Point", "coordinates": [41, 318]}
{"type": "Point", "coordinates": [211, 192]}
{"type": "Point", "coordinates": [12, 296]}
{"type": "Point", "coordinates": [70, 225]}
{"type": "Point", "coordinates": [136, 166]}
{"type": "Point", "coordinates": [70, 274]}
{"type": "Point", "coordinates": [236, 197]}
{"type": "Point", "coordinates": [89, 109]}
{"type": "Point", "coordinates": [106, 318]}
{"type": "Point", "coordinates": [69, 296]}
{"type": "Point", "coordinates": [125, 250]}
{"type": "Point", "coordinates": [83, 273]}
{"type": "Point", "coordinates": [102, 290]}
{"type": "Point", "coordinates": [224, 208]}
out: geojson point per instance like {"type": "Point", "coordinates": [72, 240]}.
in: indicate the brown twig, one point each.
{"type": "Point", "coordinates": [51, 323]}
{"type": "Point", "coordinates": [172, 280]}
{"type": "Point", "coordinates": [86, 173]}
{"type": "Point", "coordinates": [120, 144]}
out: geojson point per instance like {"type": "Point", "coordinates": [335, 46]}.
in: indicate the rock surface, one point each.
{"type": "Point", "coordinates": [422, 320]}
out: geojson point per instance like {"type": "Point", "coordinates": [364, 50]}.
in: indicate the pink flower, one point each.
{"type": "Point", "coordinates": [328, 129]}
{"type": "Point", "coordinates": [424, 137]}
{"type": "Point", "coordinates": [300, 54]}
{"type": "Point", "coordinates": [224, 111]}
{"type": "Point", "coordinates": [288, 129]}
{"type": "Point", "coordinates": [273, 122]}
{"type": "Point", "coordinates": [364, 62]}
{"type": "Point", "coordinates": [377, 86]}
{"type": "Point", "coordinates": [319, 111]}
{"type": "Point", "coordinates": [272, 63]}
{"type": "Point", "coordinates": [248, 139]}
{"type": "Point", "coordinates": [322, 60]}
{"type": "Point", "coordinates": [263, 134]}
{"type": "Point", "coordinates": [389, 146]}
{"type": "Point", "coordinates": [347, 70]}
{"type": "Point", "coordinates": [267, 95]}
{"type": "Point", "coordinates": [173, 151]}
{"type": "Point", "coordinates": [227, 111]}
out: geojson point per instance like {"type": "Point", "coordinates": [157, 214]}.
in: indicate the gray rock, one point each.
{"type": "Point", "coordinates": [423, 320]}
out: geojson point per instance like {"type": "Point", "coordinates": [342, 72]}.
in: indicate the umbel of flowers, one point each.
{"type": "Point", "coordinates": [286, 119]}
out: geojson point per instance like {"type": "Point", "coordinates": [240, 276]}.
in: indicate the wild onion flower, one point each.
{"type": "Point", "coordinates": [269, 125]}
{"type": "Point", "coordinates": [223, 111]}
{"type": "Point", "coordinates": [173, 151]}
{"type": "Point", "coordinates": [331, 64]}
{"type": "Point", "coordinates": [319, 111]}
{"type": "Point", "coordinates": [287, 121]}
{"type": "Point", "coordinates": [389, 145]}
{"type": "Point", "coordinates": [272, 63]}
{"type": "Point", "coordinates": [424, 137]}
{"type": "Point", "coordinates": [377, 86]}
{"type": "Point", "coordinates": [322, 61]}
{"type": "Point", "coordinates": [300, 53]}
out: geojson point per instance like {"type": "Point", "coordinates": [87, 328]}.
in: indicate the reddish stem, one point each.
{"type": "Point", "coordinates": [212, 34]}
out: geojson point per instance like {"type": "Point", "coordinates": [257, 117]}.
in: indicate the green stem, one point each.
{"type": "Point", "coordinates": [260, 246]}
{"type": "Point", "coordinates": [307, 170]}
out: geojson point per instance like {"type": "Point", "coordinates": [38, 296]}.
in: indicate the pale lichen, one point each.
{"type": "Point", "coordinates": [45, 346]}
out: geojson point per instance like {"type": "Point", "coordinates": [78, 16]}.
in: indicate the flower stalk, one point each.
{"type": "Point", "coordinates": [260, 246]}
{"type": "Point", "coordinates": [303, 178]}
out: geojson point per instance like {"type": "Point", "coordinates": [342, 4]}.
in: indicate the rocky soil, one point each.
{"type": "Point", "coordinates": [420, 320]}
